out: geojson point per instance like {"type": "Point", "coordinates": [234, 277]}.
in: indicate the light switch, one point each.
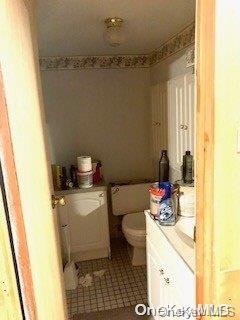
{"type": "Point", "coordinates": [238, 140]}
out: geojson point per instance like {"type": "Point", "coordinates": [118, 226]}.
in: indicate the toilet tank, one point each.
{"type": "Point", "coordinates": [130, 197]}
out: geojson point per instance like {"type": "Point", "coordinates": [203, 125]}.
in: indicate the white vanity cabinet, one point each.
{"type": "Point", "coordinates": [170, 280]}
{"type": "Point", "coordinates": [86, 214]}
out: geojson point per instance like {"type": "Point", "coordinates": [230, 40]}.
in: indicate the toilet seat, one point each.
{"type": "Point", "coordinates": [134, 224]}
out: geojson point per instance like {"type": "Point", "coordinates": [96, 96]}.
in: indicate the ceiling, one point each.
{"type": "Point", "coordinates": [75, 27]}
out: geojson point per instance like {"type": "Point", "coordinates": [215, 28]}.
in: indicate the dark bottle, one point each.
{"type": "Point", "coordinates": [73, 175]}
{"type": "Point", "coordinates": [64, 179]}
{"type": "Point", "coordinates": [164, 167]}
{"type": "Point", "coordinates": [187, 168]}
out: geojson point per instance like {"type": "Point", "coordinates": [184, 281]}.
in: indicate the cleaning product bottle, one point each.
{"type": "Point", "coordinates": [187, 168]}
{"type": "Point", "coordinates": [164, 167]}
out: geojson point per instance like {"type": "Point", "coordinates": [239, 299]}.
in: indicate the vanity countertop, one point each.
{"type": "Point", "coordinates": [97, 187]}
{"type": "Point", "coordinates": [186, 252]}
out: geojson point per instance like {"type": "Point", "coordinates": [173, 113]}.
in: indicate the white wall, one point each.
{"type": "Point", "coordinates": [103, 113]}
{"type": "Point", "coordinates": [167, 69]}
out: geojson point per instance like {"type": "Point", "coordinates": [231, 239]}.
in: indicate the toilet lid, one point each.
{"type": "Point", "coordinates": [134, 223]}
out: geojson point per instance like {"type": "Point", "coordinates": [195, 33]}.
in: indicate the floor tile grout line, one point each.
{"type": "Point", "coordinates": [115, 289]}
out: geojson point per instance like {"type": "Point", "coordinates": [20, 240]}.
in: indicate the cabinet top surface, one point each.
{"type": "Point", "coordinates": [186, 252]}
{"type": "Point", "coordinates": [97, 187]}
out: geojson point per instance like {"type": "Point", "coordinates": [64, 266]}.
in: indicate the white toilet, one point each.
{"type": "Point", "coordinates": [131, 200]}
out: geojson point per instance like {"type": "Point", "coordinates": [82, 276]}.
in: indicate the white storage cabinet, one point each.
{"type": "Point", "coordinates": [86, 214]}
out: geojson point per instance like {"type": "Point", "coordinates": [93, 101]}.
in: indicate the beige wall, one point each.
{"type": "Point", "coordinates": [226, 158]}
{"type": "Point", "coordinates": [97, 111]}
{"type": "Point", "coordinates": [103, 113]}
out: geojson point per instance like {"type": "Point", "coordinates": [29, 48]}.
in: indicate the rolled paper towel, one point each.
{"type": "Point", "coordinates": [84, 163]}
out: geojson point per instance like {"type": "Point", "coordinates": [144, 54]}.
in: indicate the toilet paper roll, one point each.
{"type": "Point", "coordinates": [84, 163]}
{"type": "Point", "coordinates": [187, 201]}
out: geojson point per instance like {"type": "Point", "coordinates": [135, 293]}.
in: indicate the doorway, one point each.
{"type": "Point", "coordinates": [226, 271]}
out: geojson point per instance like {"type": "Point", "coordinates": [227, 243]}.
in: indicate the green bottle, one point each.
{"type": "Point", "coordinates": [187, 168]}
{"type": "Point", "coordinates": [164, 167]}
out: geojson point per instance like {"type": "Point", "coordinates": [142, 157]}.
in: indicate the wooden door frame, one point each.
{"type": "Point", "coordinates": [15, 209]}
{"type": "Point", "coordinates": [204, 172]}
{"type": "Point", "coordinates": [205, 56]}
{"type": "Point", "coordinates": [25, 166]}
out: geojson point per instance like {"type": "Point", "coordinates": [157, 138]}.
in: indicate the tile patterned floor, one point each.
{"type": "Point", "coordinates": [125, 313]}
{"type": "Point", "coordinates": [122, 284]}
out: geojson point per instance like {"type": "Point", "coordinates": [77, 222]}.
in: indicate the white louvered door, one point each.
{"type": "Point", "coordinates": [180, 118]}
{"type": "Point", "coordinates": [159, 121]}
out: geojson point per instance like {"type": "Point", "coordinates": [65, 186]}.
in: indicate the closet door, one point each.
{"type": "Point", "coordinates": [159, 121]}
{"type": "Point", "coordinates": [176, 101]}
{"type": "Point", "coordinates": [181, 118]}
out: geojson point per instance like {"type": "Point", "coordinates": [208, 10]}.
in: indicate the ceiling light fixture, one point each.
{"type": "Point", "coordinates": [113, 34]}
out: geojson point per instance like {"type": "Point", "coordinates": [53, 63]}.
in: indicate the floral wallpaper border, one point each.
{"type": "Point", "coordinates": [86, 62]}
{"type": "Point", "coordinates": [179, 42]}
{"type": "Point", "coordinates": [190, 58]}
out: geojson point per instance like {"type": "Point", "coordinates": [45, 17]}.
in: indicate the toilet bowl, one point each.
{"type": "Point", "coordinates": [134, 230]}
{"type": "Point", "coordinates": [129, 200]}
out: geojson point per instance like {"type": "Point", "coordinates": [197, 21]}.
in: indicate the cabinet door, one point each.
{"type": "Point", "coordinates": [155, 280]}
{"type": "Point", "coordinates": [86, 215]}
{"type": "Point", "coordinates": [181, 298]}
{"type": "Point", "coordinates": [163, 289]}
{"type": "Point", "coordinates": [159, 121]}
{"type": "Point", "coordinates": [181, 105]}
{"type": "Point", "coordinates": [175, 295]}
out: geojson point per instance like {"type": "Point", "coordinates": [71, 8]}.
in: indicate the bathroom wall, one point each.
{"type": "Point", "coordinates": [168, 69]}
{"type": "Point", "coordinates": [106, 113]}
{"type": "Point", "coordinates": [225, 155]}
{"type": "Point", "coordinates": [103, 113]}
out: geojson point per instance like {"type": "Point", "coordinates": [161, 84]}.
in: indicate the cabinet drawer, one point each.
{"type": "Point", "coordinates": [172, 264]}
